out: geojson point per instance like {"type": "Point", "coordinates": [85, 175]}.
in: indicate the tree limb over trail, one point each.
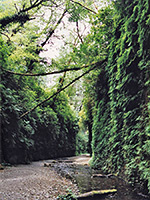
{"type": "Point", "coordinates": [63, 88]}
{"type": "Point", "coordinates": [50, 73]}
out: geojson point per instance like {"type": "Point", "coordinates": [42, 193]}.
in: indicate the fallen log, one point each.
{"type": "Point", "coordinates": [95, 192]}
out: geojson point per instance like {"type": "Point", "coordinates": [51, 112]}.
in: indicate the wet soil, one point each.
{"type": "Point", "coordinates": [46, 180]}
{"type": "Point", "coordinates": [87, 179]}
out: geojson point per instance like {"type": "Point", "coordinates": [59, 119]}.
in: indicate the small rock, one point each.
{"type": "Point", "coordinates": [47, 164]}
{"type": "Point", "coordinates": [1, 167]}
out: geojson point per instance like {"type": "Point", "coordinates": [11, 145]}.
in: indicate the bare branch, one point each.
{"type": "Point", "coordinates": [34, 5]}
{"type": "Point", "coordinates": [54, 3]}
{"type": "Point", "coordinates": [63, 88]}
{"type": "Point", "coordinates": [84, 6]}
{"type": "Point", "coordinates": [80, 38]}
{"type": "Point", "coordinates": [50, 73]}
{"type": "Point", "coordinates": [16, 7]}
{"type": "Point", "coordinates": [52, 30]}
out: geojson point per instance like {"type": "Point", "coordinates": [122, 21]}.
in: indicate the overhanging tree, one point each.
{"type": "Point", "coordinates": [25, 42]}
{"type": "Point", "coordinates": [29, 60]}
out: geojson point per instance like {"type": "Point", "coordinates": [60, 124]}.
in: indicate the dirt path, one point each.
{"type": "Point", "coordinates": [35, 182]}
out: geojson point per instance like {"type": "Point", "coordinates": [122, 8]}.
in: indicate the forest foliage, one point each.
{"type": "Point", "coordinates": [50, 131]}
{"type": "Point", "coordinates": [113, 63]}
{"type": "Point", "coordinates": [121, 140]}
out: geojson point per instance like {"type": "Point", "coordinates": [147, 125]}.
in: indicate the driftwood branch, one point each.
{"type": "Point", "coordinates": [50, 73]}
{"type": "Point", "coordinates": [95, 193]}
{"type": "Point", "coordinates": [63, 88]}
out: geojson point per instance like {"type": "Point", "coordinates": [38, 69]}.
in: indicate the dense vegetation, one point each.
{"type": "Point", "coordinates": [50, 131]}
{"type": "Point", "coordinates": [121, 128]}
{"type": "Point", "coordinates": [113, 61]}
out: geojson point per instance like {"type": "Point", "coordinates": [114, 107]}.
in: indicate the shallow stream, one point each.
{"type": "Point", "coordinates": [88, 179]}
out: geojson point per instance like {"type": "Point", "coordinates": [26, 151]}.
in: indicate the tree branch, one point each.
{"type": "Point", "coordinates": [5, 35]}
{"type": "Point", "coordinates": [22, 16]}
{"type": "Point", "coordinates": [33, 5]}
{"type": "Point", "coordinates": [63, 88]}
{"type": "Point", "coordinates": [50, 73]}
{"type": "Point", "coordinates": [80, 38]}
{"type": "Point", "coordinates": [52, 30]}
{"type": "Point", "coordinates": [84, 6]}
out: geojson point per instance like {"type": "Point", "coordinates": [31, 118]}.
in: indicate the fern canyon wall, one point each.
{"type": "Point", "coordinates": [121, 128]}
{"type": "Point", "coordinates": [94, 97]}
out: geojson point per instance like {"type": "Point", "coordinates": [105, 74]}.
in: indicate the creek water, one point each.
{"type": "Point", "coordinates": [88, 179]}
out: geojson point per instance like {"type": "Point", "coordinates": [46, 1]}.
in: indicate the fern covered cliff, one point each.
{"type": "Point", "coordinates": [121, 129]}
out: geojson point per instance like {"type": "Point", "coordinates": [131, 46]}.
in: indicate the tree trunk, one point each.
{"type": "Point", "coordinates": [90, 139]}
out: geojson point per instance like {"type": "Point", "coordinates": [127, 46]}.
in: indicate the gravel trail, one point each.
{"type": "Point", "coordinates": [33, 182]}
